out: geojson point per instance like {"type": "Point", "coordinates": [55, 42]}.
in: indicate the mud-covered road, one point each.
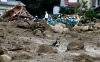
{"type": "Point", "coordinates": [22, 45]}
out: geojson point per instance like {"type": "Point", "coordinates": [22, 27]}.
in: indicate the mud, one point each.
{"type": "Point", "coordinates": [14, 37]}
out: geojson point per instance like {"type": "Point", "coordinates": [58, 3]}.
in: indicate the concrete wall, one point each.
{"type": "Point", "coordinates": [62, 3]}
{"type": "Point", "coordinates": [56, 9]}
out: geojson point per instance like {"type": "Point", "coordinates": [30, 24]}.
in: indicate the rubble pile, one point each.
{"type": "Point", "coordinates": [17, 12]}
{"type": "Point", "coordinates": [28, 38]}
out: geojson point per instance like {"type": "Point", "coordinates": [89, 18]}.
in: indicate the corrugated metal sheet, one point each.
{"type": "Point", "coordinates": [12, 3]}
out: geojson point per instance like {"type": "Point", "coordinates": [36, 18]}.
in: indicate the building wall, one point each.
{"type": "Point", "coordinates": [91, 3]}
{"type": "Point", "coordinates": [62, 3]}
{"type": "Point", "coordinates": [3, 8]}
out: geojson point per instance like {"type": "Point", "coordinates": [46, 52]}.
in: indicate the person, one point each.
{"type": "Point", "coordinates": [35, 19]}
{"type": "Point", "coordinates": [58, 19]}
{"type": "Point", "coordinates": [50, 21]}
{"type": "Point", "coordinates": [46, 16]}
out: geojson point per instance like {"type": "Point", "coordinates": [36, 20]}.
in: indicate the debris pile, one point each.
{"type": "Point", "coordinates": [15, 13]}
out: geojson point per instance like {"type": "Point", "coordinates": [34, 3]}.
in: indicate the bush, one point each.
{"type": "Point", "coordinates": [62, 10]}
{"type": "Point", "coordinates": [97, 16]}
{"type": "Point", "coordinates": [70, 11]}
{"type": "Point", "coordinates": [54, 17]}
{"type": "Point", "coordinates": [90, 13]}
{"type": "Point", "coordinates": [66, 10]}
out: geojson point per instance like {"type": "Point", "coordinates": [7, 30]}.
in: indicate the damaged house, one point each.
{"type": "Point", "coordinates": [13, 10]}
{"type": "Point", "coordinates": [8, 4]}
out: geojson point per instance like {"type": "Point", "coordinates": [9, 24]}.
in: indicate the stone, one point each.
{"type": "Point", "coordinates": [5, 58]}
{"type": "Point", "coordinates": [75, 45]}
{"type": "Point", "coordinates": [48, 33]}
{"type": "Point", "coordinates": [44, 48]}
{"type": "Point", "coordinates": [37, 32]}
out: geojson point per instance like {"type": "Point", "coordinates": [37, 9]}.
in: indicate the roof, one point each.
{"type": "Point", "coordinates": [71, 4]}
{"type": "Point", "coordinates": [12, 3]}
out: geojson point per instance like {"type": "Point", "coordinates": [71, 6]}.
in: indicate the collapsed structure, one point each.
{"type": "Point", "coordinates": [17, 12]}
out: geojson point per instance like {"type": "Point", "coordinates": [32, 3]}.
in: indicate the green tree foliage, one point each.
{"type": "Point", "coordinates": [78, 5]}
{"type": "Point", "coordinates": [66, 10]}
{"type": "Point", "coordinates": [81, 8]}
{"type": "Point", "coordinates": [38, 7]}
{"type": "Point", "coordinates": [90, 13]}
{"type": "Point", "coordinates": [62, 10]}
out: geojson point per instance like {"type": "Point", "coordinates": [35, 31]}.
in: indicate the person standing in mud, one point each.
{"type": "Point", "coordinates": [46, 16]}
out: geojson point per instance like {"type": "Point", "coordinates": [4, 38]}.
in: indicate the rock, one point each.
{"type": "Point", "coordinates": [37, 32]}
{"type": "Point", "coordinates": [66, 30]}
{"type": "Point", "coordinates": [73, 34]}
{"type": "Point", "coordinates": [44, 48]}
{"type": "Point", "coordinates": [87, 37]}
{"type": "Point", "coordinates": [5, 58]}
{"type": "Point", "coordinates": [76, 28]}
{"type": "Point", "coordinates": [43, 26]}
{"type": "Point", "coordinates": [97, 32]}
{"type": "Point", "coordinates": [84, 28]}
{"type": "Point", "coordinates": [75, 45]}
{"type": "Point", "coordinates": [58, 28]}
{"type": "Point", "coordinates": [83, 58]}
{"type": "Point", "coordinates": [63, 25]}
{"type": "Point", "coordinates": [97, 25]}
{"type": "Point", "coordinates": [48, 33]}
{"type": "Point", "coordinates": [23, 24]}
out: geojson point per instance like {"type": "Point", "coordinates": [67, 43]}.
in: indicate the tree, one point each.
{"type": "Point", "coordinates": [82, 7]}
{"type": "Point", "coordinates": [38, 7]}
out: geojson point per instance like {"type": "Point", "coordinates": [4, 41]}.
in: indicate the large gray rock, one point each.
{"type": "Point", "coordinates": [37, 32]}
{"type": "Point", "coordinates": [84, 28]}
{"type": "Point", "coordinates": [48, 33]}
{"type": "Point", "coordinates": [5, 58]}
{"type": "Point", "coordinates": [76, 28]}
{"type": "Point", "coordinates": [44, 48]}
{"type": "Point", "coordinates": [75, 45]}
{"type": "Point", "coordinates": [97, 25]}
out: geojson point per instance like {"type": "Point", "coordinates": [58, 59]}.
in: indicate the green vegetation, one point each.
{"type": "Point", "coordinates": [38, 7]}
{"type": "Point", "coordinates": [66, 10]}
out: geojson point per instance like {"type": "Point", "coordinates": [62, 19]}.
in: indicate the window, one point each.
{"type": "Point", "coordinates": [98, 2]}
{"type": "Point", "coordinates": [93, 3]}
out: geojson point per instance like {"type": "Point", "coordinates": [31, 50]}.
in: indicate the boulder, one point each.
{"type": "Point", "coordinates": [5, 58]}
{"type": "Point", "coordinates": [84, 28]}
{"type": "Point", "coordinates": [23, 24]}
{"type": "Point", "coordinates": [76, 28]}
{"type": "Point", "coordinates": [59, 28]}
{"type": "Point", "coordinates": [75, 45]}
{"type": "Point", "coordinates": [83, 58]}
{"type": "Point", "coordinates": [44, 48]}
{"type": "Point", "coordinates": [66, 30]}
{"type": "Point", "coordinates": [73, 34]}
{"type": "Point", "coordinates": [37, 32]}
{"type": "Point", "coordinates": [48, 33]}
{"type": "Point", "coordinates": [97, 25]}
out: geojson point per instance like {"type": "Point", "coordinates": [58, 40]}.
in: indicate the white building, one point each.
{"type": "Point", "coordinates": [8, 4]}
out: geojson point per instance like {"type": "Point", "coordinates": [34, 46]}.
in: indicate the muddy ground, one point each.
{"type": "Point", "coordinates": [22, 45]}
